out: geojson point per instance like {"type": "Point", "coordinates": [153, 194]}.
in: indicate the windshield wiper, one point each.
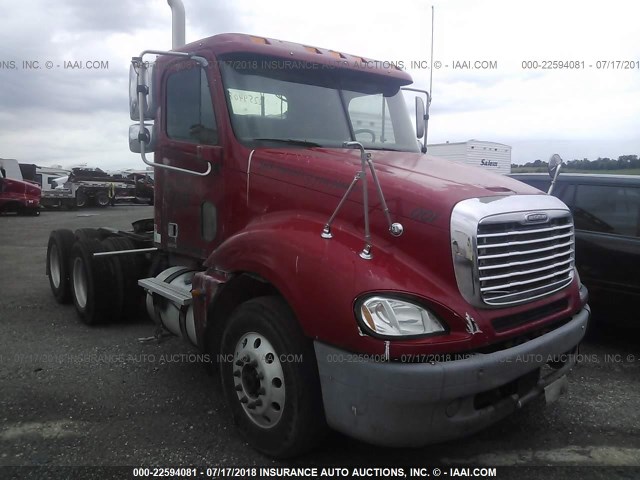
{"type": "Point", "coordinates": [290, 141]}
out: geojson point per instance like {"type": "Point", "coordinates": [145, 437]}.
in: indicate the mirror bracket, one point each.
{"type": "Point", "coordinates": [555, 163]}
{"type": "Point", "coordinates": [424, 121]}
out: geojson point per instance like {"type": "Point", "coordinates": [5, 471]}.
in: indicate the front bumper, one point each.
{"type": "Point", "coordinates": [408, 404]}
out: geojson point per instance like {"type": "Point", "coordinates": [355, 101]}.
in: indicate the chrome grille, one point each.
{"type": "Point", "coordinates": [518, 261]}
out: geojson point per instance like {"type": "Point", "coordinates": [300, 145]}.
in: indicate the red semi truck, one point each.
{"type": "Point", "coordinates": [335, 274]}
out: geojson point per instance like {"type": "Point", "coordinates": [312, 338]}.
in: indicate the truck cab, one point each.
{"type": "Point", "coordinates": [481, 270]}
{"type": "Point", "coordinates": [336, 275]}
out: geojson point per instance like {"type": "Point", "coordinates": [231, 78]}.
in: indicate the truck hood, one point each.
{"type": "Point", "coordinates": [416, 186]}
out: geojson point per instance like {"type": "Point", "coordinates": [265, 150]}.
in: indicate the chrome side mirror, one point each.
{"type": "Point", "coordinates": [149, 138]}
{"type": "Point", "coordinates": [554, 162]}
{"type": "Point", "coordinates": [420, 117]}
{"type": "Point", "coordinates": [141, 78]}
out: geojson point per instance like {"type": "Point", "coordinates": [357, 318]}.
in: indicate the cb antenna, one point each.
{"type": "Point", "coordinates": [431, 61]}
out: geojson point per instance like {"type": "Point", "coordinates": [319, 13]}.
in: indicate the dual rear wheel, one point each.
{"type": "Point", "coordinates": [101, 288]}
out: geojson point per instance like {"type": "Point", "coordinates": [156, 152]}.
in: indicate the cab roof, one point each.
{"type": "Point", "coordinates": [227, 43]}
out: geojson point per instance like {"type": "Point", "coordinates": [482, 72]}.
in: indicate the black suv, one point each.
{"type": "Point", "coordinates": [606, 212]}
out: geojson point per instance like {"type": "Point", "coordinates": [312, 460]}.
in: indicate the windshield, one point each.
{"type": "Point", "coordinates": [275, 101]}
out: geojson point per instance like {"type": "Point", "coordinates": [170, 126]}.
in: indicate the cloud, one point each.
{"type": "Point", "coordinates": [62, 115]}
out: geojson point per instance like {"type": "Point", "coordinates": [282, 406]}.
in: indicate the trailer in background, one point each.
{"type": "Point", "coordinates": [491, 156]}
{"type": "Point", "coordinates": [79, 186]}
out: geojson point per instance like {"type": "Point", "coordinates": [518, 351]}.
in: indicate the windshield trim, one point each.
{"type": "Point", "coordinates": [350, 81]}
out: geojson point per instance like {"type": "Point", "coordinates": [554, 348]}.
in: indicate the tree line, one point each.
{"type": "Point", "coordinates": [606, 163]}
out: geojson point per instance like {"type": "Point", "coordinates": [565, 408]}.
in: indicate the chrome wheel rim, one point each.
{"type": "Point", "coordinates": [258, 380]}
{"type": "Point", "coordinates": [79, 283]}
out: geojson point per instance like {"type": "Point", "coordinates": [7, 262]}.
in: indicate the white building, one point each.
{"type": "Point", "coordinates": [495, 157]}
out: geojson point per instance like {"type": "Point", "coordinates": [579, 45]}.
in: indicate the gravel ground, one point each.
{"type": "Point", "coordinates": [73, 395]}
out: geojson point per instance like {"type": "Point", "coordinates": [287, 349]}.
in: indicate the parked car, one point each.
{"type": "Point", "coordinates": [606, 211]}
{"type": "Point", "coordinates": [17, 195]}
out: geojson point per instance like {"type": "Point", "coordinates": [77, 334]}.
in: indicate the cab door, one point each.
{"type": "Point", "coordinates": [187, 204]}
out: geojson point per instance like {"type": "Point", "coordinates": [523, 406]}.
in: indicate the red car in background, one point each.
{"type": "Point", "coordinates": [17, 195]}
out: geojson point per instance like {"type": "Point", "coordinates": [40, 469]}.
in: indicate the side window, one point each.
{"type": "Point", "coordinates": [189, 107]}
{"type": "Point", "coordinates": [607, 209]}
{"type": "Point", "coordinates": [371, 120]}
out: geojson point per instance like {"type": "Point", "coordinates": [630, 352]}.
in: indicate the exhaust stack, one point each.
{"type": "Point", "coordinates": [177, 23]}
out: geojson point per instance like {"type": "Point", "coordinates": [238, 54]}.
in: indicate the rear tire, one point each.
{"type": "Point", "coordinates": [81, 199]}
{"type": "Point", "coordinates": [276, 403]}
{"type": "Point", "coordinates": [126, 270]}
{"type": "Point", "coordinates": [102, 199]}
{"type": "Point", "coordinates": [87, 234]}
{"type": "Point", "coordinates": [92, 284]}
{"type": "Point", "coordinates": [58, 252]}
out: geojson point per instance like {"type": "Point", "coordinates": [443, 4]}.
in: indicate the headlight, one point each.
{"type": "Point", "coordinates": [393, 317]}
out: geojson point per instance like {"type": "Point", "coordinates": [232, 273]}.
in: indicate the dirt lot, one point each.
{"type": "Point", "coordinates": [73, 395]}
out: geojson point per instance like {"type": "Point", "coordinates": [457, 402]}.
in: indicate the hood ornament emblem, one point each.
{"type": "Point", "coordinates": [538, 217]}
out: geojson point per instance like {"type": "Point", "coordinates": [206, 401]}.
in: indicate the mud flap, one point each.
{"type": "Point", "coordinates": [556, 388]}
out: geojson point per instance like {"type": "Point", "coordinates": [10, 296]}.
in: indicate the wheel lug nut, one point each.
{"type": "Point", "coordinates": [238, 387]}
{"type": "Point", "coordinates": [254, 404]}
{"type": "Point", "coordinates": [244, 400]}
{"type": "Point", "coordinates": [240, 363]}
{"type": "Point", "coordinates": [236, 373]}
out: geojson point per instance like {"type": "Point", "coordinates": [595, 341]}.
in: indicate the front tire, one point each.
{"type": "Point", "coordinates": [270, 379]}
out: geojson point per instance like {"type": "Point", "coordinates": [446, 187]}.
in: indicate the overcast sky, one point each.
{"type": "Point", "coordinates": [67, 116]}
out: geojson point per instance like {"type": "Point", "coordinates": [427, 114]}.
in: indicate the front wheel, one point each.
{"type": "Point", "coordinates": [270, 379]}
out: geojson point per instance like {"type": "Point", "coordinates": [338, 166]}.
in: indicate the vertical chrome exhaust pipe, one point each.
{"type": "Point", "coordinates": [177, 23]}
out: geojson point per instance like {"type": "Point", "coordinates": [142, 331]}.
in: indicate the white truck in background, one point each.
{"type": "Point", "coordinates": [491, 156]}
{"type": "Point", "coordinates": [46, 177]}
